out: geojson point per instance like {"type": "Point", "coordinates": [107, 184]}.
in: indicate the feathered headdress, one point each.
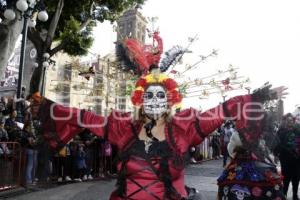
{"type": "Point", "coordinates": [145, 58]}
{"type": "Point", "coordinates": [139, 57]}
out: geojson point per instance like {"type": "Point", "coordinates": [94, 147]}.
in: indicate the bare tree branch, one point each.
{"type": "Point", "coordinates": [84, 24]}
{"type": "Point", "coordinates": [53, 25]}
{"type": "Point", "coordinates": [58, 48]}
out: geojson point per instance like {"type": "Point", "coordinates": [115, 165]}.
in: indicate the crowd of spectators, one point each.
{"type": "Point", "coordinates": [84, 158]}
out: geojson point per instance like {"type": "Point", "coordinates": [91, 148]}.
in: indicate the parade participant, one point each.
{"type": "Point", "coordinates": [152, 143]}
{"type": "Point", "coordinates": [288, 151]}
{"type": "Point", "coordinates": [251, 174]}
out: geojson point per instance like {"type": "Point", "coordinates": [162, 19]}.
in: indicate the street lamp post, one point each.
{"type": "Point", "coordinates": [45, 65]}
{"type": "Point", "coordinates": [20, 104]}
{"type": "Point", "coordinates": [43, 81]}
{"type": "Point", "coordinates": [22, 54]}
{"type": "Point", "coordinates": [27, 8]}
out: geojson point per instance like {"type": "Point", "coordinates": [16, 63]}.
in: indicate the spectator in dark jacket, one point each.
{"type": "Point", "coordinates": [288, 151]}
{"type": "Point", "coordinates": [87, 138]}
{"type": "Point", "coordinates": [81, 163]}
{"type": "Point", "coordinates": [11, 126]}
{"type": "Point", "coordinates": [215, 144]}
{"type": "Point", "coordinates": [3, 138]}
{"type": "Point", "coordinates": [3, 132]}
{"type": "Point", "coordinates": [29, 140]}
{"type": "Point", "coordinates": [226, 132]}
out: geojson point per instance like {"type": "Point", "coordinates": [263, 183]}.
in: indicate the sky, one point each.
{"type": "Point", "coordinates": [260, 37]}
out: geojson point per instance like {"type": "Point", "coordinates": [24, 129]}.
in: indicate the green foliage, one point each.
{"type": "Point", "coordinates": [182, 89]}
{"type": "Point", "coordinates": [77, 12]}
{"type": "Point", "coordinates": [130, 86]}
{"type": "Point", "coordinates": [73, 33]}
{"type": "Point", "coordinates": [77, 42]}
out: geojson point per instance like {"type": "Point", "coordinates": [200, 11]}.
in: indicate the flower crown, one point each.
{"type": "Point", "coordinates": [144, 59]}
{"type": "Point", "coordinates": [170, 85]}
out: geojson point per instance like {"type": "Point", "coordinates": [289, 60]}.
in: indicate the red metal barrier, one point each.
{"type": "Point", "coordinates": [10, 165]}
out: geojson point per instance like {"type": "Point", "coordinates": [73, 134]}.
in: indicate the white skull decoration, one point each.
{"type": "Point", "coordinates": [240, 192]}
{"type": "Point", "coordinates": [226, 190]}
{"type": "Point", "coordinates": [155, 101]}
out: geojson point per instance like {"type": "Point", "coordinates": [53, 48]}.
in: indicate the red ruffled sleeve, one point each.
{"type": "Point", "coordinates": [191, 126]}
{"type": "Point", "coordinates": [61, 124]}
{"type": "Point", "coordinates": [120, 128]}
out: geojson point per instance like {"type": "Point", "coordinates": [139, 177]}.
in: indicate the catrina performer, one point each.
{"type": "Point", "coordinates": [152, 143]}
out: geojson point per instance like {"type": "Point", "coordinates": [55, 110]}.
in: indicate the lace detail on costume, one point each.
{"type": "Point", "coordinates": [160, 153]}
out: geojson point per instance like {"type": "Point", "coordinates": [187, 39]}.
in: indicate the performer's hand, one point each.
{"type": "Point", "coordinates": [266, 92]}
{"type": "Point", "coordinates": [280, 92]}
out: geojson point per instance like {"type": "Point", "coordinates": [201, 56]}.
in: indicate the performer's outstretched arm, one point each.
{"type": "Point", "coordinates": [245, 110]}
{"type": "Point", "coordinates": [61, 123]}
{"type": "Point", "coordinates": [237, 108]}
{"type": "Point", "coordinates": [198, 125]}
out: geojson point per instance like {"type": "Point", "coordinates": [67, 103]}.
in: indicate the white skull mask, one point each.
{"type": "Point", "coordinates": [155, 101]}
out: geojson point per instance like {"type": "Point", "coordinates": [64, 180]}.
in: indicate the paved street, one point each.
{"type": "Point", "coordinates": [201, 176]}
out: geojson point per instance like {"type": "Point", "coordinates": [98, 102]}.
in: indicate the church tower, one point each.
{"type": "Point", "coordinates": [133, 25]}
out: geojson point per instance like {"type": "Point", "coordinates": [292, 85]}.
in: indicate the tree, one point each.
{"type": "Point", "coordinates": [70, 28]}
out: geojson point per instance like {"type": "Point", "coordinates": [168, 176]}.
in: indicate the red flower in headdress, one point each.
{"type": "Point", "coordinates": [137, 97]}
{"type": "Point", "coordinates": [170, 84]}
{"type": "Point", "coordinates": [141, 83]}
{"type": "Point", "coordinates": [174, 97]}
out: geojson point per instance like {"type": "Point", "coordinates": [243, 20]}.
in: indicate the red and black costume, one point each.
{"type": "Point", "coordinates": [158, 174]}
{"type": "Point", "coordinates": [251, 174]}
{"type": "Point", "coordinates": [250, 178]}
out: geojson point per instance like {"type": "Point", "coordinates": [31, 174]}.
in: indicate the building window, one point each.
{"type": "Point", "coordinates": [122, 107]}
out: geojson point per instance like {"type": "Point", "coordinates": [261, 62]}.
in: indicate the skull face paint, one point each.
{"type": "Point", "coordinates": [155, 101]}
